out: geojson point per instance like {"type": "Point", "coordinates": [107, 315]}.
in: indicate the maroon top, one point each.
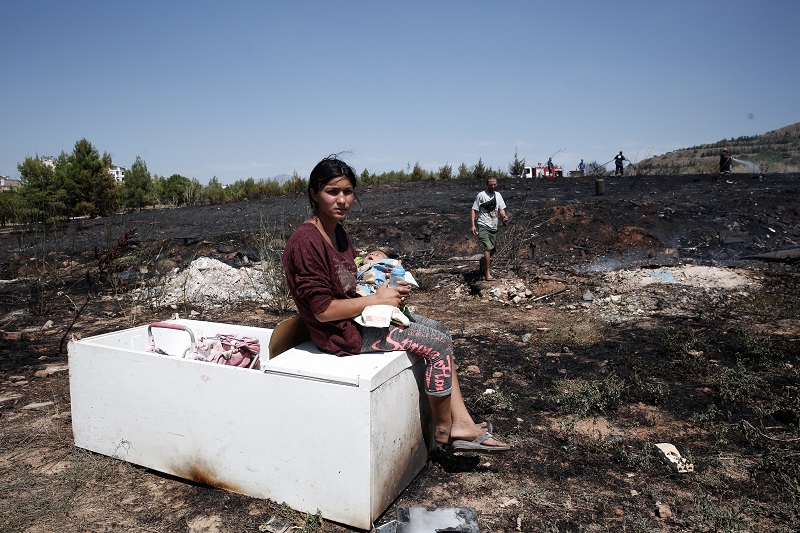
{"type": "Point", "coordinates": [318, 274]}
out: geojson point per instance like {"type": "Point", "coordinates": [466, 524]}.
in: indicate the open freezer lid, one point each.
{"type": "Point", "coordinates": [366, 370]}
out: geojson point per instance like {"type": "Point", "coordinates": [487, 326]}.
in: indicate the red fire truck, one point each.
{"type": "Point", "coordinates": [543, 172]}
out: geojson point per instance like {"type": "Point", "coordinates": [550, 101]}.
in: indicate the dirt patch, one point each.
{"type": "Point", "coordinates": [708, 277]}
{"type": "Point", "coordinates": [616, 322]}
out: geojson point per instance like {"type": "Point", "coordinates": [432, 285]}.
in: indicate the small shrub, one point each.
{"type": "Point", "coordinates": [731, 517]}
{"type": "Point", "coordinates": [714, 420]}
{"type": "Point", "coordinates": [272, 280]}
{"type": "Point", "coordinates": [313, 523]}
{"type": "Point", "coordinates": [578, 397]}
{"type": "Point", "coordinates": [686, 348]}
{"type": "Point", "coordinates": [496, 401]}
{"type": "Point", "coordinates": [633, 458]}
{"type": "Point", "coordinates": [654, 392]}
{"type": "Point", "coordinates": [760, 348]}
{"type": "Point", "coordinates": [737, 384]}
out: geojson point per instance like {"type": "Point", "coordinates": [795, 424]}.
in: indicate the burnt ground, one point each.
{"type": "Point", "coordinates": [657, 312]}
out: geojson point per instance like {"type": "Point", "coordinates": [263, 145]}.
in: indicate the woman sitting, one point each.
{"type": "Point", "coordinates": [319, 262]}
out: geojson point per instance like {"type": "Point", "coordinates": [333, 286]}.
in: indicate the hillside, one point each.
{"type": "Point", "coordinates": [773, 152]}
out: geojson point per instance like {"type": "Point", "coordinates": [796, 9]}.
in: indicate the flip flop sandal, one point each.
{"type": "Point", "coordinates": [476, 445]}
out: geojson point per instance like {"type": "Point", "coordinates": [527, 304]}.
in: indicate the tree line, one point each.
{"type": "Point", "coordinates": [79, 184]}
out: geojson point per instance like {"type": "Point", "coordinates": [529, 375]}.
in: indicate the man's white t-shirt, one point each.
{"type": "Point", "coordinates": [488, 205]}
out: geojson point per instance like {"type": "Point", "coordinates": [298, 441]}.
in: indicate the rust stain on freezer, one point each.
{"type": "Point", "coordinates": [201, 473]}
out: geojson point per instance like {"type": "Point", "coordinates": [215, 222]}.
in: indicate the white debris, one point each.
{"type": "Point", "coordinates": [209, 282]}
{"type": "Point", "coordinates": [689, 275]}
{"type": "Point", "coordinates": [38, 405]}
{"type": "Point", "coordinates": [670, 454]}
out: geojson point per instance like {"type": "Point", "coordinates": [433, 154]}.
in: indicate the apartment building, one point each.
{"type": "Point", "coordinates": [8, 184]}
{"type": "Point", "coordinates": [118, 173]}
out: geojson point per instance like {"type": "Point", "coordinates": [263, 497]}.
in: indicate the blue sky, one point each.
{"type": "Point", "coordinates": [257, 89]}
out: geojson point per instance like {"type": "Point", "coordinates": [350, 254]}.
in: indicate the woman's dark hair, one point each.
{"type": "Point", "coordinates": [329, 168]}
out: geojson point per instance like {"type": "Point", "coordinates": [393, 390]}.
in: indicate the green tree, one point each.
{"type": "Point", "coordinates": [268, 189]}
{"type": "Point", "coordinates": [10, 203]}
{"type": "Point", "coordinates": [463, 172]}
{"type": "Point", "coordinates": [243, 190]}
{"type": "Point", "coordinates": [215, 193]}
{"type": "Point", "coordinates": [295, 185]}
{"type": "Point", "coordinates": [418, 173]}
{"type": "Point", "coordinates": [42, 195]}
{"type": "Point", "coordinates": [499, 173]}
{"type": "Point", "coordinates": [446, 172]}
{"type": "Point", "coordinates": [517, 167]}
{"type": "Point", "coordinates": [193, 194]}
{"type": "Point", "coordinates": [480, 171]}
{"type": "Point", "coordinates": [91, 189]}
{"type": "Point", "coordinates": [172, 190]}
{"type": "Point", "coordinates": [137, 191]}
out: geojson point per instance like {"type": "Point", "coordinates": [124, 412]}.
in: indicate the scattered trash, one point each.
{"type": "Point", "coordinates": [429, 519]}
{"type": "Point", "coordinates": [274, 525]}
{"type": "Point", "coordinates": [9, 397]}
{"type": "Point", "coordinates": [666, 276]}
{"type": "Point", "coordinates": [663, 510]}
{"type": "Point", "coordinates": [49, 370]}
{"type": "Point", "coordinates": [37, 405]}
{"type": "Point", "coordinates": [673, 458]}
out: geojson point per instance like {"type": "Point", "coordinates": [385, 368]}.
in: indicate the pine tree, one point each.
{"type": "Point", "coordinates": [42, 196]}
{"type": "Point", "coordinates": [91, 189]}
{"type": "Point", "coordinates": [480, 171]}
{"type": "Point", "coordinates": [517, 167]}
{"type": "Point", "coordinates": [137, 191]}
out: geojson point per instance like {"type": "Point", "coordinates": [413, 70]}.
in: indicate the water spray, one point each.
{"type": "Point", "coordinates": [752, 166]}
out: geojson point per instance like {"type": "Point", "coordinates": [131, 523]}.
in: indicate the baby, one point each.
{"type": "Point", "coordinates": [373, 269]}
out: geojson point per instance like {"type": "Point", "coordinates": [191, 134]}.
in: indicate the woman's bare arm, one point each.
{"type": "Point", "coordinates": [342, 309]}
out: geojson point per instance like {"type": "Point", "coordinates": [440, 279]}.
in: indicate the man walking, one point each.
{"type": "Point", "coordinates": [488, 205]}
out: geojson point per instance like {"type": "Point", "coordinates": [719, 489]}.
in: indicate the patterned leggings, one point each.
{"type": "Point", "coordinates": [424, 337]}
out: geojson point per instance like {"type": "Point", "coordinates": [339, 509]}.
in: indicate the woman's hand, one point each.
{"type": "Point", "coordinates": [394, 296]}
{"type": "Point", "coordinates": [345, 308]}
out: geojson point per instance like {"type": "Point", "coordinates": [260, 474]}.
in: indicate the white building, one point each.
{"type": "Point", "coordinates": [118, 173]}
{"type": "Point", "coordinates": [114, 170]}
{"type": "Point", "coordinates": [7, 184]}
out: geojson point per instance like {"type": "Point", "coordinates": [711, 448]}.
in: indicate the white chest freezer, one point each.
{"type": "Point", "coordinates": [342, 435]}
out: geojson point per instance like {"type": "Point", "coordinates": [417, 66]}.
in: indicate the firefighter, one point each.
{"type": "Point", "coordinates": [618, 167]}
{"type": "Point", "coordinates": [725, 162]}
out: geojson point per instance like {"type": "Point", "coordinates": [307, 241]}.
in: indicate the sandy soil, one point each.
{"type": "Point", "coordinates": [611, 327]}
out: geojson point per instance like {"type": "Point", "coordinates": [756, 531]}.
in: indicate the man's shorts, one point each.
{"type": "Point", "coordinates": [487, 236]}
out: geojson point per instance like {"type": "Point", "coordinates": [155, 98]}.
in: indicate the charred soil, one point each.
{"type": "Point", "coordinates": [664, 310]}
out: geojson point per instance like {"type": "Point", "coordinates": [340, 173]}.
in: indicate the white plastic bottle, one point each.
{"type": "Point", "coordinates": [397, 274]}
